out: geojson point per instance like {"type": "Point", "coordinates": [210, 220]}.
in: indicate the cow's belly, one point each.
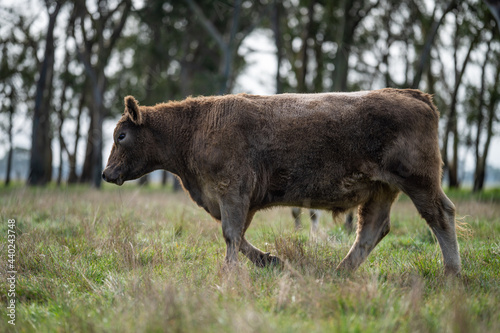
{"type": "Point", "coordinates": [336, 194]}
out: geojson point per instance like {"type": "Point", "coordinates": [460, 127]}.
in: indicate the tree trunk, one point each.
{"type": "Point", "coordinates": [60, 109]}
{"type": "Point", "coordinates": [494, 7]}
{"type": "Point", "coordinates": [429, 40]}
{"type": "Point", "coordinates": [41, 151]}
{"type": "Point", "coordinates": [303, 56]}
{"type": "Point", "coordinates": [227, 48]}
{"type": "Point", "coordinates": [277, 40]}
{"type": "Point", "coordinates": [351, 22]}
{"type": "Point", "coordinates": [73, 177]}
{"type": "Point", "coordinates": [230, 50]}
{"type": "Point", "coordinates": [479, 176]}
{"type": "Point", "coordinates": [341, 61]}
{"type": "Point", "coordinates": [480, 173]}
{"type": "Point", "coordinates": [451, 124]}
{"type": "Point", "coordinates": [318, 78]}
{"type": "Point", "coordinates": [164, 175]}
{"type": "Point", "coordinates": [97, 143]}
{"type": "Point", "coordinates": [453, 171]}
{"type": "Point", "coordinates": [92, 167]}
{"type": "Point", "coordinates": [86, 174]}
{"type": "Point", "coordinates": [9, 161]}
{"type": "Point", "coordinates": [97, 78]}
{"type": "Point", "coordinates": [11, 143]}
{"type": "Point", "coordinates": [60, 168]}
{"type": "Point", "coordinates": [62, 144]}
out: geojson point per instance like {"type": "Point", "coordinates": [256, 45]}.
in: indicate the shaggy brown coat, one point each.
{"type": "Point", "coordinates": [237, 154]}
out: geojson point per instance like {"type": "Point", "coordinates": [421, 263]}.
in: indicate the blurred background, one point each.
{"type": "Point", "coordinates": [65, 67]}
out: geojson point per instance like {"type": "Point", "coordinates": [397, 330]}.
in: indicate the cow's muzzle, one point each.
{"type": "Point", "coordinates": [112, 177]}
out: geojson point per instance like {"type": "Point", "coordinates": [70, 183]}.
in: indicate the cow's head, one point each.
{"type": "Point", "coordinates": [134, 147]}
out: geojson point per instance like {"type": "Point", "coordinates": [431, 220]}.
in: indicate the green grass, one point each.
{"type": "Point", "coordinates": [146, 260]}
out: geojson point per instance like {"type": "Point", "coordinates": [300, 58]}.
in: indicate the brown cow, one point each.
{"type": "Point", "coordinates": [237, 154]}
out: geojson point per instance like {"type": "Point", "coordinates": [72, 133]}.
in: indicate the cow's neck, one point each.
{"type": "Point", "coordinates": [173, 128]}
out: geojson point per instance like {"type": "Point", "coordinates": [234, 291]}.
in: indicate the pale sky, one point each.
{"type": "Point", "coordinates": [257, 78]}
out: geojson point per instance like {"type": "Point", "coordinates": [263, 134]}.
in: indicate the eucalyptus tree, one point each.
{"type": "Point", "coordinates": [96, 33]}
{"type": "Point", "coordinates": [41, 148]}
{"type": "Point", "coordinates": [19, 64]}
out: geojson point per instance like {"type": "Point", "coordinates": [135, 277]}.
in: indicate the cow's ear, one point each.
{"type": "Point", "coordinates": [132, 109]}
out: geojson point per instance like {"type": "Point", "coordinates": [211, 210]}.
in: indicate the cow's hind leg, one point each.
{"type": "Point", "coordinates": [373, 225]}
{"type": "Point", "coordinates": [439, 213]}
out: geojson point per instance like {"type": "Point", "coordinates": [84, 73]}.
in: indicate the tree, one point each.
{"type": "Point", "coordinates": [8, 101]}
{"type": "Point", "coordinates": [167, 50]}
{"type": "Point", "coordinates": [353, 14]}
{"type": "Point", "coordinates": [494, 7]}
{"type": "Point", "coordinates": [451, 113]}
{"type": "Point", "coordinates": [41, 150]}
{"type": "Point", "coordinates": [276, 27]}
{"type": "Point", "coordinates": [317, 51]}
{"type": "Point", "coordinates": [429, 40]}
{"type": "Point", "coordinates": [18, 67]}
{"type": "Point", "coordinates": [299, 33]}
{"type": "Point", "coordinates": [60, 110]}
{"type": "Point", "coordinates": [228, 36]}
{"type": "Point", "coordinates": [482, 110]}
{"type": "Point", "coordinates": [11, 110]}
{"type": "Point", "coordinates": [94, 48]}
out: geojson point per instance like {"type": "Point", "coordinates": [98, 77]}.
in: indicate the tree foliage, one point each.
{"type": "Point", "coordinates": [161, 50]}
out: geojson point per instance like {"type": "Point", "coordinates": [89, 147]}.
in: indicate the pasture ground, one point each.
{"type": "Point", "coordinates": [135, 259]}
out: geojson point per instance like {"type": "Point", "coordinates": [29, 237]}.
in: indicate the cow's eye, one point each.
{"type": "Point", "coordinates": [121, 137]}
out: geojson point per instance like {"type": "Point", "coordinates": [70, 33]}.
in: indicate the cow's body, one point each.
{"type": "Point", "coordinates": [237, 154]}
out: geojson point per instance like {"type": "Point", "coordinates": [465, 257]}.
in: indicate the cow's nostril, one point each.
{"type": "Point", "coordinates": [103, 176]}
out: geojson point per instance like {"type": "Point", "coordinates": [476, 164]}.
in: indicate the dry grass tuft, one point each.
{"type": "Point", "coordinates": [464, 230]}
{"type": "Point", "coordinates": [130, 260]}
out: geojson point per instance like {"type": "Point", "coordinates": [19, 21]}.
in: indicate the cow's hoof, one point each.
{"type": "Point", "coordinates": [345, 268]}
{"type": "Point", "coordinates": [268, 260]}
{"type": "Point", "coordinates": [452, 271]}
{"type": "Point", "coordinates": [229, 266]}
{"type": "Point", "coordinates": [274, 262]}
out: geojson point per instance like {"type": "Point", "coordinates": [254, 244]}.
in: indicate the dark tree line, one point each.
{"type": "Point", "coordinates": [72, 74]}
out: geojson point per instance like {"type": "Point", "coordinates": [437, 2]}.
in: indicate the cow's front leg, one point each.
{"type": "Point", "coordinates": [234, 212]}
{"type": "Point", "coordinates": [259, 258]}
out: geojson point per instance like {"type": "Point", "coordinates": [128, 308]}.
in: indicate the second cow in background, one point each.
{"type": "Point", "coordinates": [315, 214]}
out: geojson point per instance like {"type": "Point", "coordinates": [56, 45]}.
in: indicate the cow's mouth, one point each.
{"type": "Point", "coordinates": [119, 181]}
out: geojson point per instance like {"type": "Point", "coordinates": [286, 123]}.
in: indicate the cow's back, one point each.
{"type": "Point", "coordinates": [332, 147]}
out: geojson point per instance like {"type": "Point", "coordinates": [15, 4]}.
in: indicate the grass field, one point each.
{"type": "Point", "coordinates": [147, 260]}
